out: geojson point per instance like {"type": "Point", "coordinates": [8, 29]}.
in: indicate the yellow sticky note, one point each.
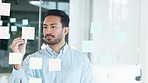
{"type": "Point", "coordinates": [15, 58]}
{"type": "Point", "coordinates": [54, 64]}
{"type": "Point", "coordinates": [4, 32]}
{"type": "Point", "coordinates": [5, 9]}
{"type": "Point", "coordinates": [35, 63]}
{"type": "Point", "coordinates": [35, 80]}
{"type": "Point", "coordinates": [28, 33]}
{"type": "Point", "coordinates": [111, 75]}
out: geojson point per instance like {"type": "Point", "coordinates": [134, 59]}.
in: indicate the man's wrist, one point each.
{"type": "Point", "coordinates": [18, 66]}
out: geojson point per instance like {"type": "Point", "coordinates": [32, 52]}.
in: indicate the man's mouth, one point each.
{"type": "Point", "coordinates": [48, 36]}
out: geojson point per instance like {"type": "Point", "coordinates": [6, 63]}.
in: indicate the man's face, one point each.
{"type": "Point", "coordinates": [53, 31]}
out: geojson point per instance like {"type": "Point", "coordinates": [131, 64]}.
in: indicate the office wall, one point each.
{"type": "Point", "coordinates": [143, 59]}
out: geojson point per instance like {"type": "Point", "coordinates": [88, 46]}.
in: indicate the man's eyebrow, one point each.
{"type": "Point", "coordinates": [53, 24]}
{"type": "Point", "coordinates": [50, 24]}
{"type": "Point", "coordinates": [44, 24]}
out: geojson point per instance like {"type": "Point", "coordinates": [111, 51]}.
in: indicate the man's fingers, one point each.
{"type": "Point", "coordinates": [17, 43]}
{"type": "Point", "coordinates": [15, 40]}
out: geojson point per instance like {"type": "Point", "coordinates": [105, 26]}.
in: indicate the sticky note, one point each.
{"type": "Point", "coordinates": [43, 46]}
{"type": "Point", "coordinates": [5, 9]}
{"type": "Point", "coordinates": [15, 58]}
{"type": "Point", "coordinates": [35, 63]}
{"type": "Point", "coordinates": [13, 28]}
{"type": "Point", "coordinates": [25, 22]}
{"type": "Point", "coordinates": [105, 60]}
{"type": "Point", "coordinates": [121, 37]}
{"type": "Point", "coordinates": [87, 46]}
{"type": "Point", "coordinates": [54, 64]}
{"type": "Point", "coordinates": [1, 22]}
{"type": "Point", "coordinates": [12, 20]}
{"type": "Point", "coordinates": [96, 27]}
{"type": "Point", "coordinates": [4, 32]}
{"type": "Point", "coordinates": [35, 80]}
{"type": "Point", "coordinates": [111, 75]}
{"type": "Point", "coordinates": [28, 33]}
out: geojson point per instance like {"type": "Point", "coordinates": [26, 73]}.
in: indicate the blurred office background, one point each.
{"type": "Point", "coordinates": [112, 33]}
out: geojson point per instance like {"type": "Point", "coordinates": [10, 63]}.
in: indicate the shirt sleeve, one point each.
{"type": "Point", "coordinates": [17, 76]}
{"type": "Point", "coordinates": [87, 71]}
{"type": "Point", "coordinates": [22, 75]}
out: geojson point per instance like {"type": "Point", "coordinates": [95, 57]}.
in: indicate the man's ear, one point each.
{"type": "Point", "coordinates": [66, 30]}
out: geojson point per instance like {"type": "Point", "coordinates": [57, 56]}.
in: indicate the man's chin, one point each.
{"type": "Point", "coordinates": [49, 42]}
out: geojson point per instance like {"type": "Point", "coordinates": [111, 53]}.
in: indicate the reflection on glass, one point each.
{"type": "Point", "coordinates": [118, 9]}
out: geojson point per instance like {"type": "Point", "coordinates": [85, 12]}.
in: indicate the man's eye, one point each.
{"type": "Point", "coordinates": [44, 27]}
{"type": "Point", "coordinates": [53, 26]}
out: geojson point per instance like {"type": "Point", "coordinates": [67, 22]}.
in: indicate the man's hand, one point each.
{"type": "Point", "coordinates": [19, 46]}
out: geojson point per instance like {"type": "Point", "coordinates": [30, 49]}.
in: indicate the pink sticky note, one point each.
{"type": "Point", "coordinates": [4, 32]}
{"type": "Point", "coordinates": [28, 33]}
{"type": "Point", "coordinates": [54, 64]}
{"type": "Point", "coordinates": [5, 9]}
{"type": "Point", "coordinates": [35, 63]}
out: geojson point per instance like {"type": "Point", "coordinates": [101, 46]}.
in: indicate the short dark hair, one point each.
{"type": "Point", "coordinates": [64, 17]}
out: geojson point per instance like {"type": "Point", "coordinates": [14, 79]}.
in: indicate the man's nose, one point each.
{"type": "Point", "coordinates": [48, 30]}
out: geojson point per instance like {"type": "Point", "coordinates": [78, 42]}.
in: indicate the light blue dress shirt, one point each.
{"type": "Point", "coordinates": [75, 67]}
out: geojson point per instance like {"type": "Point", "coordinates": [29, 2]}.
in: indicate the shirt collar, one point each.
{"type": "Point", "coordinates": [62, 51]}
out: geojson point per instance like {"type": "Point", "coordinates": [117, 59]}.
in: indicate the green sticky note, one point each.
{"type": "Point", "coordinates": [121, 37]}
{"type": "Point", "coordinates": [96, 27]}
{"type": "Point", "coordinates": [87, 46]}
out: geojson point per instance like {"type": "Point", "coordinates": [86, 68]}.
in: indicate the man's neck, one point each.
{"type": "Point", "coordinates": [58, 46]}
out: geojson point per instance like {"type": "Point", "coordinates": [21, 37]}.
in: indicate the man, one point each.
{"type": "Point", "coordinates": [75, 68]}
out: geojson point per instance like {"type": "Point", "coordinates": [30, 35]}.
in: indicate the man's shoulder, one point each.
{"type": "Point", "coordinates": [38, 53]}
{"type": "Point", "coordinates": [76, 52]}
{"type": "Point", "coordinates": [79, 54]}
